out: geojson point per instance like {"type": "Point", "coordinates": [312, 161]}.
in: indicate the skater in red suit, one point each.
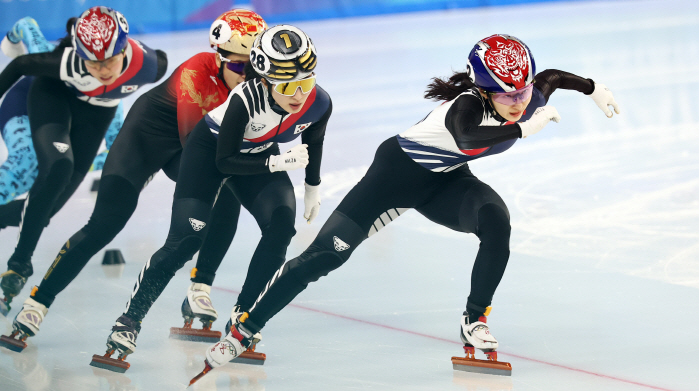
{"type": "Point", "coordinates": [151, 139]}
{"type": "Point", "coordinates": [498, 100]}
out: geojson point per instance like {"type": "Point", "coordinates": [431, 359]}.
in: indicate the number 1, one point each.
{"type": "Point", "coordinates": [287, 41]}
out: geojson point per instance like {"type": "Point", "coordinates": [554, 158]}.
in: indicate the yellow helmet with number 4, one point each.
{"type": "Point", "coordinates": [235, 31]}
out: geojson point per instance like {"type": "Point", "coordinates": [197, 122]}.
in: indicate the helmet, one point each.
{"type": "Point", "coordinates": [502, 63]}
{"type": "Point", "coordinates": [235, 31]}
{"type": "Point", "coordinates": [283, 53]}
{"type": "Point", "coordinates": [100, 33]}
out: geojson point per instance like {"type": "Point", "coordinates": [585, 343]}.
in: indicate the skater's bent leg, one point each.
{"type": "Point", "coordinates": [332, 247]}
{"type": "Point", "coordinates": [116, 201]}
{"type": "Point", "coordinates": [274, 209]}
{"type": "Point", "coordinates": [469, 205]}
{"type": "Point", "coordinates": [494, 251]}
{"type": "Point", "coordinates": [189, 217]}
{"type": "Point", "coordinates": [220, 233]}
{"type": "Point", "coordinates": [75, 181]}
{"type": "Point", "coordinates": [55, 171]}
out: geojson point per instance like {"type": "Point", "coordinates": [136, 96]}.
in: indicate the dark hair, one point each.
{"type": "Point", "coordinates": [441, 89]}
{"type": "Point", "coordinates": [67, 41]}
{"type": "Point", "coordinates": [250, 73]}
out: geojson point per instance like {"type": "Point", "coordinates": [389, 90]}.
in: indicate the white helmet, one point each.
{"type": "Point", "coordinates": [283, 53]}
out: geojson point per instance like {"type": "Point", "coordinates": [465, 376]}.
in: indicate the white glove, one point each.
{"type": "Point", "coordinates": [296, 157]}
{"type": "Point", "coordinates": [541, 117]}
{"type": "Point", "coordinates": [604, 98]}
{"type": "Point", "coordinates": [312, 201]}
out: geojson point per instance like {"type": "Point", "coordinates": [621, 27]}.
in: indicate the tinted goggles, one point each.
{"type": "Point", "coordinates": [515, 97]}
{"type": "Point", "coordinates": [236, 67]}
{"type": "Point", "coordinates": [289, 89]}
{"type": "Point", "coordinates": [233, 66]}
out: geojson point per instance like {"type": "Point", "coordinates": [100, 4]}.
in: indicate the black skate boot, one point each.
{"type": "Point", "coordinates": [123, 339]}
{"type": "Point", "coordinates": [11, 284]}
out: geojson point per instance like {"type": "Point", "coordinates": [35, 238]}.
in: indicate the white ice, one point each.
{"type": "Point", "coordinates": [602, 287]}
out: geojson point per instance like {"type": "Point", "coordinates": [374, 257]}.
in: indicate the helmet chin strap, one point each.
{"type": "Point", "coordinates": [220, 74]}
{"type": "Point", "coordinates": [492, 106]}
{"type": "Point", "coordinates": [273, 103]}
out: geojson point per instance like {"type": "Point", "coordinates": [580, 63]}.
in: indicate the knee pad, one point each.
{"type": "Point", "coordinates": [116, 202]}
{"type": "Point", "coordinates": [313, 264]}
{"type": "Point", "coordinates": [281, 225]}
{"type": "Point", "coordinates": [493, 224]}
{"type": "Point", "coordinates": [171, 257]}
{"type": "Point", "coordinates": [57, 176]}
{"type": "Point", "coordinates": [332, 247]}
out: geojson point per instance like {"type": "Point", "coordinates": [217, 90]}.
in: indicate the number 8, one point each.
{"type": "Point", "coordinates": [258, 61]}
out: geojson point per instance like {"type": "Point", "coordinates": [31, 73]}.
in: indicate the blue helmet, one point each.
{"type": "Point", "coordinates": [100, 33]}
{"type": "Point", "coordinates": [502, 63]}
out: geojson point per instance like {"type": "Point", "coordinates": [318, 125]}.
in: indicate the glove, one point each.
{"type": "Point", "coordinates": [312, 201]}
{"type": "Point", "coordinates": [296, 157]}
{"type": "Point", "coordinates": [604, 98]}
{"type": "Point", "coordinates": [541, 117]}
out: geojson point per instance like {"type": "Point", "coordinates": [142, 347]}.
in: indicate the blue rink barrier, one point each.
{"type": "Point", "coordinates": [148, 16]}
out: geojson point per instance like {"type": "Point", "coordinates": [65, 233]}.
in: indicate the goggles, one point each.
{"type": "Point", "coordinates": [289, 89]}
{"type": "Point", "coordinates": [513, 98]}
{"type": "Point", "coordinates": [233, 66]}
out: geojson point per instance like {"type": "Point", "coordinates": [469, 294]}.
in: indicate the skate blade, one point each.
{"type": "Point", "coordinates": [487, 367]}
{"type": "Point", "coordinates": [251, 358]}
{"type": "Point", "coordinates": [197, 335]}
{"type": "Point", "coordinates": [13, 344]}
{"type": "Point", "coordinates": [4, 308]}
{"type": "Point", "coordinates": [110, 364]}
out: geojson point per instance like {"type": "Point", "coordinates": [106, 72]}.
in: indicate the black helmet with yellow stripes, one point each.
{"type": "Point", "coordinates": [282, 54]}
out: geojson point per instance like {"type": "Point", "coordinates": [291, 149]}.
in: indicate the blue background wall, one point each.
{"type": "Point", "coordinates": [146, 16]}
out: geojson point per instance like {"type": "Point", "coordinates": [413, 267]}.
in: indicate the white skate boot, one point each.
{"type": "Point", "coordinates": [476, 335]}
{"type": "Point", "coordinates": [231, 347]}
{"type": "Point", "coordinates": [250, 356]}
{"type": "Point", "coordinates": [197, 304]}
{"type": "Point", "coordinates": [123, 339]}
{"type": "Point", "coordinates": [25, 325]}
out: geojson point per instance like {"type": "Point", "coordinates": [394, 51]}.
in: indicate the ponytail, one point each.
{"type": "Point", "coordinates": [67, 41]}
{"type": "Point", "coordinates": [447, 90]}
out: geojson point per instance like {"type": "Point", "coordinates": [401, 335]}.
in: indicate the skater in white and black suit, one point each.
{"type": "Point", "coordinates": [70, 105]}
{"type": "Point", "coordinates": [237, 145]}
{"type": "Point", "coordinates": [498, 100]}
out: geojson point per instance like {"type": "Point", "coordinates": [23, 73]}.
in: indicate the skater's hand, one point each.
{"type": "Point", "coordinates": [541, 118]}
{"type": "Point", "coordinates": [296, 157]}
{"type": "Point", "coordinates": [312, 201]}
{"type": "Point", "coordinates": [604, 98]}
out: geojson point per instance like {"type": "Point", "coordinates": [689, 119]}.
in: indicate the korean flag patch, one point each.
{"type": "Point", "coordinates": [302, 127]}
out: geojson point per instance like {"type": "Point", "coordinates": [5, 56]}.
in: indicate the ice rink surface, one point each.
{"type": "Point", "coordinates": [602, 287]}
